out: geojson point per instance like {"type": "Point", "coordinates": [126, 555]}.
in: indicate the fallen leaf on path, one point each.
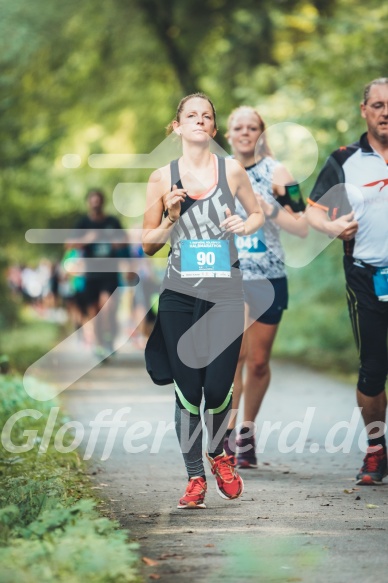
{"type": "Point", "coordinates": [103, 484]}
{"type": "Point", "coordinates": [154, 576]}
{"type": "Point", "coordinates": [263, 517]}
{"type": "Point", "coordinates": [371, 506]}
{"type": "Point", "coordinates": [143, 515]}
{"type": "Point", "coordinates": [150, 562]}
{"type": "Point", "coordinates": [209, 546]}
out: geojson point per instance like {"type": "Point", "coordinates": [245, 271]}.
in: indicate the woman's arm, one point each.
{"type": "Point", "coordinates": [156, 228]}
{"type": "Point", "coordinates": [240, 184]}
{"type": "Point", "coordinates": [287, 219]}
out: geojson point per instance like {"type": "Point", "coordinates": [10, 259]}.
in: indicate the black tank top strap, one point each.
{"type": "Point", "coordinates": [175, 179]}
{"type": "Point", "coordinates": [222, 180]}
{"type": "Point", "coordinates": [221, 171]}
{"type": "Point", "coordinates": [175, 176]}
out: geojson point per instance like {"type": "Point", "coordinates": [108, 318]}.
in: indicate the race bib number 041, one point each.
{"type": "Point", "coordinates": [251, 245]}
{"type": "Point", "coordinates": [205, 259]}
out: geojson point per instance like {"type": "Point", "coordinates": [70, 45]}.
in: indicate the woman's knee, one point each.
{"type": "Point", "coordinates": [258, 366]}
{"type": "Point", "coordinates": [218, 400]}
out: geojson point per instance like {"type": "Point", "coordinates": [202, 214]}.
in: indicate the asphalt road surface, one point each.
{"type": "Point", "coordinates": [301, 517]}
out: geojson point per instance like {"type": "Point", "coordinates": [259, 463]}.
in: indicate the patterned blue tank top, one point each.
{"type": "Point", "coordinates": [269, 264]}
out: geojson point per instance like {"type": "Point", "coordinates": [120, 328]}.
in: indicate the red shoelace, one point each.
{"type": "Point", "coordinates": [195, 487]}
{"type": "Point", "coordinates": [372, 459]}
{"type": "Point", "coordinates": [224, 467]}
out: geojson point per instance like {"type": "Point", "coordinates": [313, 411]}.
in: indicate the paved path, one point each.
{"type": "Point", "coordinates": [299, 519]}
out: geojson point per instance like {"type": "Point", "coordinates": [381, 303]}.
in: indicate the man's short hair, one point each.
{"type": "Point", "coordinates": [379, 81]}
{"type": "Point", "coordinates": [96, 192]}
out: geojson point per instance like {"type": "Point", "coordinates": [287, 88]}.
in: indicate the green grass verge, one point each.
{"type": "Point", "coordinates": [29, 340]}
{"type": "Point", "coordinates": [50, 529]}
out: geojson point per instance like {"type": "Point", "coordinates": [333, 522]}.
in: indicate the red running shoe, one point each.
{"type": "Point", "coordinates": [194, 497]}
{"type": "Point", "coordinates": [374, 467]}
{"type": "Point", "coordinates": [229, 484]}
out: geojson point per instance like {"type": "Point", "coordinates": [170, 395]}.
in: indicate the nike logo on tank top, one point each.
{"type": "Point", "coordinates": [200, 248]}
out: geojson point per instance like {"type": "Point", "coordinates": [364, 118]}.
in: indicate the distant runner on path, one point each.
{"type": "Point", "coordinates": [99, 286]}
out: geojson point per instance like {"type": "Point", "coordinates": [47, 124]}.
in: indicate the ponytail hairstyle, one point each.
{"type": "Point", "coordinates": [170, 128]}
{"type": "Point", "coordinates": [262, 147]}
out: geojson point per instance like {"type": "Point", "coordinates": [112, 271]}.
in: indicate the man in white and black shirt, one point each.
{"type": "Point", "coordinates": [350, 201]}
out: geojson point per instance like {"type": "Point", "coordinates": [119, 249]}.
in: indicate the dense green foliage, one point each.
{"type": "Point", "coordinates": [50, 529]}
{"type": "Point", "coordinates": [82, 80]}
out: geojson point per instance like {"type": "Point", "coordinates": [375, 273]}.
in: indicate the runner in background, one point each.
{"type": "Point", "coordinates": [350, 201]}
{"type": "Point", "coordinates": [99, 286]}
{"type": "Point", "coordinates": [197, 336]}
{"type": "Point", "coordinates": [261, 258]}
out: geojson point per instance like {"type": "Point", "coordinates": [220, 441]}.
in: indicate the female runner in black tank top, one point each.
{"type": "Point", "coordinates": [197, 336]}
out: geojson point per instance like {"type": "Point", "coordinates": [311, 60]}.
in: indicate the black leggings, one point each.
{"type": "Point", "coordinates": [197, 374]}
{"type": "Point", "coordinates": [369, 318]}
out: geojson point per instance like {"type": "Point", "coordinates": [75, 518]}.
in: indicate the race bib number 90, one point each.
{"type": "Point", "coordinates": [205, 259]}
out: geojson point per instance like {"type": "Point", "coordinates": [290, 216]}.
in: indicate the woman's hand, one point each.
{"type": "Point", "coordinates": [172, 202]}
{"type": "Point", "coordinates": [233, 223]}
{"type": "Point", "coordinates": [266, 206]}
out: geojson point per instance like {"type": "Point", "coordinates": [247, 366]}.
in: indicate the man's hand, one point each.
{"type": "Point", "coordinates": [344, 228]}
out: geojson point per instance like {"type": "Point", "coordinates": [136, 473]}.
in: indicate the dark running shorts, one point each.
{"type": "Point", "coordinates": [254, 291]}
{"type": "Point", "coordinates": [94, 287]}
